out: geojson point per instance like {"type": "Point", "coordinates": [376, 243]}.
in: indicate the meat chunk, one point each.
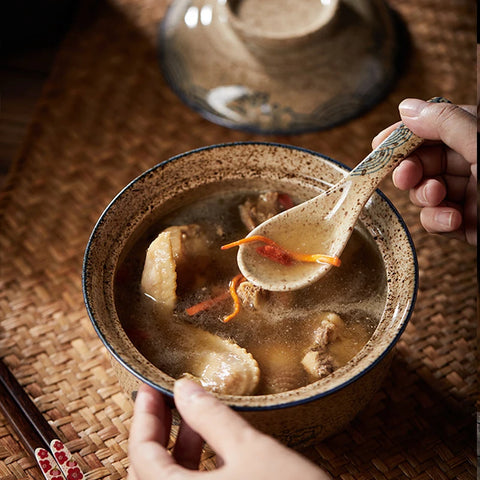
{"type": "Point", "coordinates": [251, 296]}
{"type": "Point", "coordinates": [318, 362]}
{"type": "Point", "coordinates": [159, 277]}
{"type": "Point", "coordinates": [173, 262]}
{"type": "Point", "coordinates": [219, 364]}
{"type": "Point", "coordinates": [330, 328]}
{"type": "Point", "coordinates": [233, 372]}
{"type": "Point", "coordinates": [253, 212]}
{"type": "Point", "coordinates": [256, 298]}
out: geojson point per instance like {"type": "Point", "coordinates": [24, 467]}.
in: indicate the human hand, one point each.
{"type": "Point", "coordinates": [242, 452]}
{"type": "Point", "coordinates": [441, 175]}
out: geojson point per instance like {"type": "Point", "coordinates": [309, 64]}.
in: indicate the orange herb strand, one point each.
{"type": "Point", "coordinates": [298, 257]}
{"type": "Point", "coordinates": [253, 238]}
{"type": "Point", "coordinates": [234, 283]}
{"type": "Point", "coordinates": [200, 307]}
{"type": "Point", "coordinates": [316, 258]}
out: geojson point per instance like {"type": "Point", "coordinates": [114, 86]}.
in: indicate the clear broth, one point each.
{"type": "Point", "coordinates": [277, 336]}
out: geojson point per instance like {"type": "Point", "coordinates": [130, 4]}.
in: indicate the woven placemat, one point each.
{"type": "Point", "coordinates": [105, 116]}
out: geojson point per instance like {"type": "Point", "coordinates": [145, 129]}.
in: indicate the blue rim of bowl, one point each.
{"type": "Point", "coordinates": [241, 408]}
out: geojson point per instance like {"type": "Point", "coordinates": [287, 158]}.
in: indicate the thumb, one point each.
{"type": "Point", "coordinates": [447, 122]}
{"type": "Point", "coordinates": [222, 428]}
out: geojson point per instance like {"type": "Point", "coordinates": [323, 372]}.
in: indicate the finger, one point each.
{"type": "Point", "coordinates": [430, 162]}
{"type": "Point", "coordinates": [131, 474]}
{"type": "Point", "coordinates": [408, 173]}
{"type": "Point", "coordinates": [470, 218]}
{"type": "Point", "coordinates": [188, 447]}
{"type": "Point", "coordinates": [429, 193]}
{"type": "Point", "coordinates": [440, 160]}
{"type": "Point", "coordinates": [224, 430]}
{"type": "Point", "coordinates": [235, 440]}
{"type": "Point", "coordinates": [440, 219]}
{"type": "Point", "coordinates": [152, 418]}
{"type": "Point", "coordinates": [149, 434]}
{"type": "Point", "coordinates": [380, 137]}
{"type": "Point", "coordinates": [447, 122]}
{"type": "Point", "coordinates": [456, 188]}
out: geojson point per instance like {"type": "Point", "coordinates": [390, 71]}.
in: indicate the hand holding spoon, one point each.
{"type": "Point", "coordinates": [325, 223]}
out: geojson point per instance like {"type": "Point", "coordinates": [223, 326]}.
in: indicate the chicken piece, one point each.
{"type": "Point", "coordinates": [159, 277]}
{"type": "Point", "coordinates": [318, 362]}
{"type": "Point", "coordinates": [330, 328]}
{"type": "Point", "coordinates": [255, 297]}
{"type": "Point", "coordinates": [233, 372]}
{"type": "Point", "coordinates": [254, 212]}
{"type": "Point", "coordinates": [251, 296]}
{"type": "Point", "coordinates": [220, 365]}
{"type": "Point", "coordinates": [173, 260]}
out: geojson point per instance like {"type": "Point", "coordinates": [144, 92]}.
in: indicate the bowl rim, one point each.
{"type": "Point", "coordinates": [286, 404]}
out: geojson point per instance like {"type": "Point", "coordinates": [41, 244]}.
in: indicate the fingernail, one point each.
{"type": "Point", "coordinates": [394, 175]}
{"type": "Point", "coordinates": [424, 193]}
{"type": "Point", "coordinates": [444, 218]}
{"type": "Point", "coordinates": [188, 389]}
{"type": "Point", "coordinates": [411, 107]}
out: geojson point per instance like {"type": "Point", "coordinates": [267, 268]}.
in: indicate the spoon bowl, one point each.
{"type": "Point", "coordinates": [324, 224]}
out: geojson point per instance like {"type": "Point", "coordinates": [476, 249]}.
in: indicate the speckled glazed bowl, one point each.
{"type": "Point", "coordinates": [300, 416]}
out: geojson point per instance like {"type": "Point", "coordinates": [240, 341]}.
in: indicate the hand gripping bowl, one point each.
{"type": "Point", "coordinates": [297, 417]}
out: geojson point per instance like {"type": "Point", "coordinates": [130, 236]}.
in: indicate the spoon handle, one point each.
{"type": "Point", "coordinates": [398, 145]}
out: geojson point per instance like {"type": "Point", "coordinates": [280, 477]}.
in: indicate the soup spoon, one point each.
{"type": "Point", "coordinates": [323, 224]}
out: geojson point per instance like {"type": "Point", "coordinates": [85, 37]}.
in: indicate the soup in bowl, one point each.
{"type": "Point", "coordinates": [165, 295]}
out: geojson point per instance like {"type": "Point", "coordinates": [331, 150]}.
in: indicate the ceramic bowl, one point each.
{"type": "Point", "coordinates": [279, 66]}
{"type": "Point", "coordinates": [298, 417]}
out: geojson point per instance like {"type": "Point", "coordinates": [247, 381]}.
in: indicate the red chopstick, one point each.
{"type": "Point", "coordinates": [34, 431]}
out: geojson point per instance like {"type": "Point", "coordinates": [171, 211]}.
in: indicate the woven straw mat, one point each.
{"type": "Point", "coordinates": [105, 116]}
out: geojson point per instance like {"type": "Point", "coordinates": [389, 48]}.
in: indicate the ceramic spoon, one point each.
{"type": "Point", "coordinates": [325, 223]}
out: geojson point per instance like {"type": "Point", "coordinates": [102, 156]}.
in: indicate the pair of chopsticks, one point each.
{"type": "Point", "coordinates": [36, 434]}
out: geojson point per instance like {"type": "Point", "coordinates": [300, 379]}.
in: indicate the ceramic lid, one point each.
{"type": "Point", "coordinates": [275, 67]}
